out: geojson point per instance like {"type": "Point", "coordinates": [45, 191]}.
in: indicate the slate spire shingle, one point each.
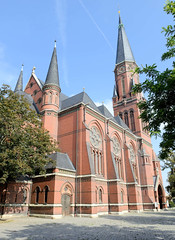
{"type": "Point", "coordinates": [19, 84]}
{"type": "Point", "coordinates": [52, 75]}
{"type": "Point", "coordinates": [124, 52]}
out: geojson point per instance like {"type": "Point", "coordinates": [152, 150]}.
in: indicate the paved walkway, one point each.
{"type": "Point", "coordinates": [147, 225]}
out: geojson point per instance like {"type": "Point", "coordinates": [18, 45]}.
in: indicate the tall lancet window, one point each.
{"type": "Point", "coordinates": [132, 158]}
{"type": "Point", "coordinates": [116, 149]}
{"type": "Point", "coordinates": [96, 149]}
{"type": "Point", "coordinates": [50, 97]}
{"type": "Point", "coordinates": [123, 86]}
{"type": "Point", "coordinates": [126, 118]}
{"type": "Point", "coordinates": [132, 120]}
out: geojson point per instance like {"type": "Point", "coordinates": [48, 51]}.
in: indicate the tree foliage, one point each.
{"type": "Point", "coordinates": [159, 109]}
{"type": "Point", "coordinates": [170, 163]}
{"type": "Point", "coordinates": [24, 144]}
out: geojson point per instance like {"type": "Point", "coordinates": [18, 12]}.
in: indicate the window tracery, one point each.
{"type": "Point", "coordinates": [116, 149]}
{"type": "Point", "coordinates": [133, 160]}
{"type": "Point", "coordinates": [96, 149]}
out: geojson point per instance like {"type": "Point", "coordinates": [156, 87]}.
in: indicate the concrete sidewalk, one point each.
{"type": "Point", "coordinates": [146, 225]}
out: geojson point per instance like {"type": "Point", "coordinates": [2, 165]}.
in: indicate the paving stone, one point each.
{"type": "Point", "coordinates": [137, 226]}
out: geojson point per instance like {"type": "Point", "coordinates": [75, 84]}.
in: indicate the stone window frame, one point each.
{"type": "Point", "coordinates": [118, 157]}
{"type": "Point", "coordinates": [37, 191]}
{"type": "Point", "coordinates": [133, 161]}
{"type": "Point", "coordinates": [46, 193]}
{"type": "Point", "coordinates": [132, 120]}
{"type": "Point", "coordinates": [122, 195]}
{"type": "Point", "coordinates": [97, 153]}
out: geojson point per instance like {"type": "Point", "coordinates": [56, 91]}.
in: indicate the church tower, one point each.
{"type": "Point", "coordinates": [124, 101]}
{"type": "Point", "coordinates": [51, 92]}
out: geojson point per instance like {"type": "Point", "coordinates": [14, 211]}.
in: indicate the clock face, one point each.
{"type": "Point", "coordinates": [95, 137]}
{"type": "Point", "coordinates": [121, 69]}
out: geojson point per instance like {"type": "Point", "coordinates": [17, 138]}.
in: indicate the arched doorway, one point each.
{"type": "Point", "coordinates": [160, 196]}
{"type": "Point", "coordinates": [66, 201]}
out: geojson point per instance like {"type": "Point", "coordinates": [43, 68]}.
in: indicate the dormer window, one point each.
{"type": "Point", "coordinates": [31, 84]}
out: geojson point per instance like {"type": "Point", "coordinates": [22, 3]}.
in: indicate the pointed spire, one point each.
{"type": "Point", "coordinates": [19, 84]}
{"type": "Point", "coordinates": [52, 75]}
{"type": "Point", "coordinates": [124, 52]}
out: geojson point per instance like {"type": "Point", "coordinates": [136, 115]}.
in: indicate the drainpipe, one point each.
{"type": "Point", "coordinates": [106, 133]}
{"type": "Point", "coordinates": [76, 158]}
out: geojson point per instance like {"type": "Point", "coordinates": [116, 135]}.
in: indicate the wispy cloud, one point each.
{"type": "Point", "coordinates": [96, 25]}
{"type": "Point", "coordinates": [61, 8]}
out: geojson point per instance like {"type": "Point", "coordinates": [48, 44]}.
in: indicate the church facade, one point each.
{"type": "Point", "coordinates": [106, 163]}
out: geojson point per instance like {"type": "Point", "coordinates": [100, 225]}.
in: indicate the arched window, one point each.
{"type": "Point", "coordinates": [24, 195]}
{"type": "Point", "coordinates": [133, 160]}
{"type": "Point", "coordinates": [100, 196]}
{"type": "Point", "coordinates": [39, 100]}
{"type": "Point", "coordinates": [16, 197]}
{"type": "Point", "coordinates": [50, 97]}
{"type": "Point", "coordinates": [96, 195]}
{"type": "Point", "coordinates": [37, 190]}
{"type": "Point", "coordinates": [35, 92]}
{"type": "Point", "coordinates": [56, 99]}
{"type": "Point", "coordinates": [121, 115]}
{"type": "Point", "coordinates": [44, 98]}
{"type": "Point", "coordinates": [123, 86]}
{"type": "Point", "coordinates": [96, 149]}
{"type": "Point", "coordinates": [121, 196]}
{"type": "Point", "coordinates": [132, 120]}
{"type": "Point", "coordinates": [46, 190]}
{"type": "Point", "coordinates": [31, 84]}
{"type": "Point", "coordinates": [126, 119]}
{"type": "Point", "coordinates": [100, 163]}
{"type": "Point", "coordinates": [116, 149]}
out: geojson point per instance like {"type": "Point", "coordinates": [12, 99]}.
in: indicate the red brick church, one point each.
{"type": "Point", "coordinates": [106, 163]}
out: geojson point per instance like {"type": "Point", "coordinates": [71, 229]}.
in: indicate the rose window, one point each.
{"type": "Point", "coordinates": [95, 137]}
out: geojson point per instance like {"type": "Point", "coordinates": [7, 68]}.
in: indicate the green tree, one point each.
{"type": "Point", "coordinates": [24, 144]}
{"type": "Point", "coordinates": [170, 163]}
{"type": "Point", "coordinates": [159, 109]}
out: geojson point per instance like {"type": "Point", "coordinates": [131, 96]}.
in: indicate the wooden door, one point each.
{"type": "Point", "coordinates": [65, 201]}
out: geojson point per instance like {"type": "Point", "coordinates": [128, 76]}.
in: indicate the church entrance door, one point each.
{"type": "Point", "coordinates": [160, 195]}
{"type": "Point", "coordinates": [65, 201]}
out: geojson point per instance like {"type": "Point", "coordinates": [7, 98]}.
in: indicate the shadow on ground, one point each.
{"type": "Point", "coordinates": [154, 218]}
{"type": "Point", "coordinates": [57, 230]}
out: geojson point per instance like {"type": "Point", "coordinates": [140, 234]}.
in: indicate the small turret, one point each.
{"type": "Point", "coordinates": [51, 94]}
{"type": "Point", "coordinates": [52, 75]}
{"type": "Point", "coordinates": [19, 84]}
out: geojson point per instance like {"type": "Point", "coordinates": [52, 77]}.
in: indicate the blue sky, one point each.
{"type": "Point", "coordinates": [86, 34]}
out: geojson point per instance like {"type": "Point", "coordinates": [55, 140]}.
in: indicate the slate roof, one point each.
{"type": "Point", "coordinates": [41, 82]}
{"type": "Point", "coordinates": [78, 98]}
{"type": "Point", "coordinates": [121, 123]}
{"type": "Point", "coordinates": [124, 52]}
{"type": "Point", "coordinates": [19, 84]}
{"type": "Point", "coordinates": [62, 162]}
{"type": "Point", "coordinates": [52, 75]}
{"type": "Point", "coordinates": [30, 100]}
{"type": "Point", "coordinates": [84, 98]}
{"type": "Point", "coordinates": [105, 112]}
